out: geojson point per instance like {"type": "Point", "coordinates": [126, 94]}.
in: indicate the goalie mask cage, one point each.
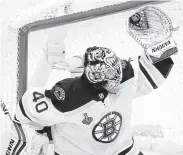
{"type": "Point", "coordinates": [14, 59]}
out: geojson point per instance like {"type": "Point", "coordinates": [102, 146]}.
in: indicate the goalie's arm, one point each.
{"type": "Point", "coordinates": [151, 76]}
{"type": "Point", "coordinates": [156, 39]}
{"type": "Point", "coordinates": [37, 110]}
{"type": "Point", "coordinates": [52, 52]}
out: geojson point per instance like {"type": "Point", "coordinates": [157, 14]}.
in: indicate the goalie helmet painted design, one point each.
{"type": "Point", "coordinates": [102, 66]}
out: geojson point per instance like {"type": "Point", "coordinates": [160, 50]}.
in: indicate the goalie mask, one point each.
{"type": "Point", "coordinates": [103, 67]}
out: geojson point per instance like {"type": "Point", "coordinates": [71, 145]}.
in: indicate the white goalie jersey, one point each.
{"type": "Point", "coordinates": [86, 120]}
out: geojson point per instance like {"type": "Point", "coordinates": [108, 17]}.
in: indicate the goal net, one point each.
{"type": "Point", "coordinates": [157, 117]}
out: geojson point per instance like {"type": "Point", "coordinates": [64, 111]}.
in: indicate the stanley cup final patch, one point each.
{"type": "Point", "coordinates": [59, 93]}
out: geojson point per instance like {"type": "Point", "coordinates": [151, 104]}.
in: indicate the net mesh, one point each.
{"type": "Point", "coordinates": [9, 68]}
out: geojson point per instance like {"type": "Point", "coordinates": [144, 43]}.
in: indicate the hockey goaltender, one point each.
{"type": "Point", "coordinates": [90, 114]}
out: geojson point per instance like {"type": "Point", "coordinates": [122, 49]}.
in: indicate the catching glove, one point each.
{"type": "Point", "coordinates": [152, 29]}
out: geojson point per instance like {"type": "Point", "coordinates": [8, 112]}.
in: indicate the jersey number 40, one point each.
{"type": "Point", "coordinates": [40, 105]}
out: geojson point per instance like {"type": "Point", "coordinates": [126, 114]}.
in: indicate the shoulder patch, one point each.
{"type": "Point", "coordinates": [59, 93]}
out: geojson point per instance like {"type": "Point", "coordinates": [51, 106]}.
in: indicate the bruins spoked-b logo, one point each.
{"type": "Point", "coordinates": [107, 129]}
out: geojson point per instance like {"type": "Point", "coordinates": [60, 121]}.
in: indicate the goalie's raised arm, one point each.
{"type": "Point", "coordinates": [151, 76]}
{"type": "Point", "coordinates": [152, 29]}
{"type": "Point", "coordinates": [53, 52]}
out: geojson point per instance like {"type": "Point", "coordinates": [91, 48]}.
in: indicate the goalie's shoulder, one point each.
{"type": "Point", "coordinates": [31, 90]}
{"type": "Point", "coordinates": [36, 107]}
{"type": "Point", "coordinates": [33, 94]}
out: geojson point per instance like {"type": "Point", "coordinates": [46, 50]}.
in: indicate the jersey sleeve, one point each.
{"type": "Point", "coordinates": [38, 110]}
{"type": "Point", "coordinates": [151, 76]}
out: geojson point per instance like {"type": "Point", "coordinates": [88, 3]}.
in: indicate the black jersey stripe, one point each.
{"type": "Point", "coordinates": [164, 66]}
{"type": "Point", "coordinates": [153, 84]}
{"type": "Point", "coordinates": [124, 152]}
{"type": "Point", "coordinates": [140, 153]}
